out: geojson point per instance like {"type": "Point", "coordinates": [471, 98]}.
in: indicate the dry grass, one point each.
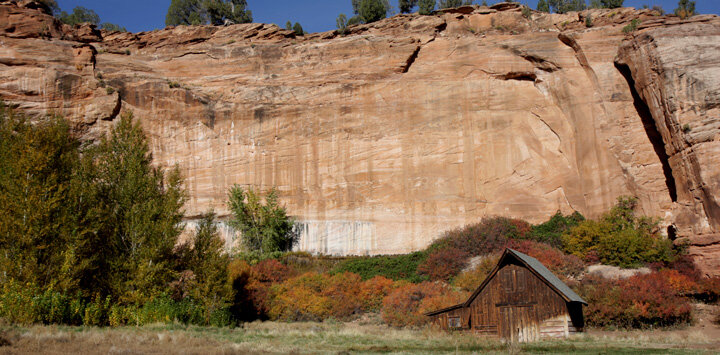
{"type": "Point", "coordinates": [330, 338]}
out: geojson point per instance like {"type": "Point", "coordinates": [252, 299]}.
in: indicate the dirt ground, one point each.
{"type": "Point", "coordinates": [363, 336]}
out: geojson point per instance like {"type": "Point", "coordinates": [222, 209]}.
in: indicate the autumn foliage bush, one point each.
{"type": "Point", "coordinates": [470, 279]}
{"type": "Point", "coordinates": [561, 264]}
{"type": "Point", "coordinates": [641, 301]}
{"type": "Point", "coordinates": [407, 305]}
{"type": "Point", "coordinates": [444, 263]}
{"type": "Point", "coordinates": [315, 297]}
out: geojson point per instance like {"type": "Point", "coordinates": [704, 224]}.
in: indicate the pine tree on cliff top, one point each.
{"type": "Point", "coordinates": [214, 12]}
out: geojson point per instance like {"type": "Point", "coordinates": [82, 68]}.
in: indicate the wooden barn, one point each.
{"type": "Point", "coordinates": [520, 300]}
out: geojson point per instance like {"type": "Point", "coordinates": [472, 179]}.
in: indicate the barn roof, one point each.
{"type": "Point", "coordinates": [448, 309]}
{"type": "Point", "coordinates": [538, 269]}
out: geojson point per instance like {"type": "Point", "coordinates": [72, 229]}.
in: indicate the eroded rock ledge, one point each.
{"type": "Point", "coordinates": [381, 138]}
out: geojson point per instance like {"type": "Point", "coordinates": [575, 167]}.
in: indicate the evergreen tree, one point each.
{"type": "Point", "coordinates": [406, 6]}
{"type": "Point", "coordinates": [51, 6]}
{"type": "Point", "coordinates": [564, 6]}
{"type": "Point", "coordinates": [372, 10]}
{"type": "Point", "coordinates": [446, 4]}
{"type": "Point", "coordinates": [288, 26]}
{"type": "Point", "coordinates": [185, 12]}
{"type": "Point", "coordinates": [298, 29]}
{"type": "Point", "coordinates": [612, 4]}
{"type": "Point", "coordinates": [80, 15]}
{"type": "Point", "coordinates": [112, 27]}
{"type": "Point", "coordinates": [543, 6]}
{"type": "Point", "coordinates": [685, 9]}
{"type": "Point", "coordinates": [214, 12]}
{"type": "Point", "coordinates": [264, 227]}
{"type": "Point", "coordinates": [426, 6]}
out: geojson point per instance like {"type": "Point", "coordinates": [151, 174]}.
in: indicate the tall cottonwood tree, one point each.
{"type": "Point", "coordinates": [265, 227]}
{"type": "Point", "coordinates": [144, 212]}
{"type": "Point", "coordinates": [37, 164]}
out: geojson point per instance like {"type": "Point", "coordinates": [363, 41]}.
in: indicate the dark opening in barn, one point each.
{"type": "Point", "coordinates": [520, 300]}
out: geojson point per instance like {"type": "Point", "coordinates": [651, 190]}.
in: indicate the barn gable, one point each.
{"type": "Point", "coordinates": [536, 268]}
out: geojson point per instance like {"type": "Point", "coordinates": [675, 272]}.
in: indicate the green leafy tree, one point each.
{"type": "Point", "coordinates": [426, 7]}
{"type": "Point", "coordinates": [112, 27]}
{"type": "Point", "coordinates": [341, 23]}
{"type": "Point", "coordinates": [264, 227]}
{"type": "Point", "coordinates": [80, 15]}
{"type": "Point", "coordinates": [563, 6]}
{"type": "Point", "coordinates": [298, 29]}
{"type": "Point", "coordinates": [144, 213]}
{"type": "Point", "coordinates": [288, 26]}
{"type": "Point", "coordinates": [619, 238]}
{"type": "Point", "coordinates": [37, 164]}
{"type": "Point", "coordinates": [543, 6]}
{"type": "Point", "coordinates": [685, 9]}
{"type": "Point", "coordinates": [406, 6]}
{"type": "Point", "coordinates": [595, 4]}
{"type": "Point", "coordinates": [206, 257]}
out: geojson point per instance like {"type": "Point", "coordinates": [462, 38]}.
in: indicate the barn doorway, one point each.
{"type": "Point", "coordinates": [519, 323]}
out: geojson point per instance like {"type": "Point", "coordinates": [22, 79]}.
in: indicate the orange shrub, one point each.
{"type": "Point", "coordinates": [681, 284]}
{"type": "Point", "coordinates": [373, 291]}
{"type": "Point", "coordinates": [314, 297]}
{"type": "Point", "coordinates": [469, 280]}
{"type": "Point", "coordinates": [406, 305]}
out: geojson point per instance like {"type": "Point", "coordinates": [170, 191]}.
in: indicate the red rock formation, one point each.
{"type": "Point", "coordinates": [380, 139]}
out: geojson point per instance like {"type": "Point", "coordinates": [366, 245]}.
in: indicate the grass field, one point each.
{"type": "Point", "coordinates": [331, 338]}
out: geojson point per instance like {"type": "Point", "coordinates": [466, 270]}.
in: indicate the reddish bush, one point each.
{"type": "Point", "coordinates": [271, 270]}
{"type": "Point", "coordinates": [563, 265]}
{"type": "Point", "coordinates": [490, 235]}
{"type": "Point", "coordinates": [522, 228]}
{"type": "Point", "coordinates": [444, 263]}
{"type": "Point", "coordinates": [641, 301]}
{"type": "Point", "coordinates": [709, 289]}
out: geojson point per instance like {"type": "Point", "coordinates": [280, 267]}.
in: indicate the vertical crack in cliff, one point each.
{"type": "Point", "coordinates": [651, 130]}
{"type": "Point", "coordinates": [411, 60]}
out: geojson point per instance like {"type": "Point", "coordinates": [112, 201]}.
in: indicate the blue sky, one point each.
{"type": "Point", "coordinates": [313, 15]}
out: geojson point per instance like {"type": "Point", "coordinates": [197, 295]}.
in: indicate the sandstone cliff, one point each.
{"type": "Point", "coordinates": [380, 139]}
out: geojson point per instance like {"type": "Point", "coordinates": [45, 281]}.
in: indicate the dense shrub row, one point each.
{"type": "Point", "coordinates": [395, 267]}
